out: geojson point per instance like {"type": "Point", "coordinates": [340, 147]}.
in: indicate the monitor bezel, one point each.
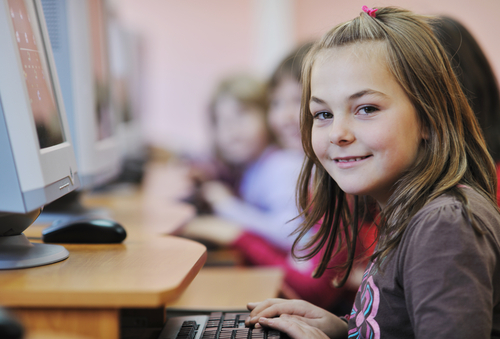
{"type": "Point", "coordinates": [43, 174]}
{"type": "Point", "coordinates": [98, 160]}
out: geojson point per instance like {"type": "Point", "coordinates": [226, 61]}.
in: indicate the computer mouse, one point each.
{"type": "Point", "coordinates": [84, 230]}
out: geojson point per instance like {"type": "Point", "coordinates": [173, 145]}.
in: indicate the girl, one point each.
{"type": "Point", "coordinates": [384, 117]}
{"type": "Point", "coordinates": [285, 90]}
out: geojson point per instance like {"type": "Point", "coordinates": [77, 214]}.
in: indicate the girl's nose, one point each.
{"type": "Point", "coordinates": [340, 132]}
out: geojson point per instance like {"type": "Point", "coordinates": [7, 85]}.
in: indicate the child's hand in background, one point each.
{"type": "Point", "coordinates": [215, 192]}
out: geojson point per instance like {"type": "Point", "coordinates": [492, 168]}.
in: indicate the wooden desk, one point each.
{"type": "Point", "coordinates": [142, 214]}
{"type": "Point", "coordinates": [230, 288]}
{"type": "Point", "coordinates": [83, 294]}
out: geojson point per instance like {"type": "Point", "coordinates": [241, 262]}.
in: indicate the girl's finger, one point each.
{"type": "Point", "coordinates": [293, 327]}
{"type": "Point", "coordinates": [269, 309]}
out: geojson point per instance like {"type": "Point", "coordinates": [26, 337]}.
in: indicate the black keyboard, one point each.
{"type": "Point", "coordinates": [217, 325]}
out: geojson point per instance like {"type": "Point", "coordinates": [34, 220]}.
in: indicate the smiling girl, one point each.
{"type": "Point", "coordinates": [384, 118]}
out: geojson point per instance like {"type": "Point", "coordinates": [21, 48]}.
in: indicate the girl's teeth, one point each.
{"type": "Point", "coordinates": [350, 160]}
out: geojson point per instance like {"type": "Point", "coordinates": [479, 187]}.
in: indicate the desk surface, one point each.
{"type": "Point", "coordinates": [230, 288]}
{"type": "Point", "coordinates": [149, 269]}
{"type": "Point", "coordinates": [140, 213]}
{"type": "Point", "coordinates": [137, 273]}
{"type": "Point", "coordinates": [84, 295]}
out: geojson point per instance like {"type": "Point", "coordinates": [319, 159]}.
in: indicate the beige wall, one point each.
{"type": "Point", "coordinates": [190, 44]}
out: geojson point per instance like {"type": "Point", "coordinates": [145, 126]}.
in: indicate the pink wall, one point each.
{"type": "Point", "coordinates": [191, 44]}
{"type": "Point", "coordinates": [188, 46]}
{"type": "Point", "coordinates": [479, 16]}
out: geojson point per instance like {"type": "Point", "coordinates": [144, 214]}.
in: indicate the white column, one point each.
{"type": "Point", "coordinates": [274, 33]}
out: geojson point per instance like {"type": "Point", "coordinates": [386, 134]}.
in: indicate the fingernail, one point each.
{"type": "Point", "coordinates": [254, 319]}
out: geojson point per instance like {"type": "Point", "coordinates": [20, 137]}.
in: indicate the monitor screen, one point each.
{"type": "Point", "coordinates": [101, 71]}
{"type": "Point", "coordinates": [125, 56]}
{"type": "Point", "coordinates": [78, 36]}
{"type": "Point", "coordinates": [37, 75]}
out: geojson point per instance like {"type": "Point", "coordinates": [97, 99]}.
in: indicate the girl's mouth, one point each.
{"type": "Point", "coordinates": [350, 159]}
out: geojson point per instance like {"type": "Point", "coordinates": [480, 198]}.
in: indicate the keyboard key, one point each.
{"type": "Point", "coordinates": [188, 330]}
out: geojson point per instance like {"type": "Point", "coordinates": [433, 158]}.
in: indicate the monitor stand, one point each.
{"type": "Point", "coordinates": [16, 251]}
{"type": "Point", "coordinates": [67, 207]}
{"type": "Point", "coordinates": [69, 203]}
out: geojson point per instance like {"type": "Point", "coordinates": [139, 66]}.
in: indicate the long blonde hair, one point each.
{"type": "Point", "coordinates": [454, 153]}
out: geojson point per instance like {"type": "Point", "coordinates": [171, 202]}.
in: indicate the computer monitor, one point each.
{"type": "Point", "coordinates": [125, 55]}
{"type": "Point", "coordinates": [37, 161]}
{"type": "Point", "coordinates": [79, 39]}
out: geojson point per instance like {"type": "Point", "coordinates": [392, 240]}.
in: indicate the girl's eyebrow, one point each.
{"type": "Point", "coordinates": [317, 100]}
{"type": "Point", "coordinates": [354, 96]}
{"type": "Point", "coordinates": [359, 94]}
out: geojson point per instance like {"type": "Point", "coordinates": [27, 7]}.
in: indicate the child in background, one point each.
{"type": "Point", "coordinates": [478, 81]}
{"type": "Point", "coordinates": [285, 92]}
{"type": "Point", "coordinates": [261, 196]}
{"type": "Point", "coordinates": [383, 116]}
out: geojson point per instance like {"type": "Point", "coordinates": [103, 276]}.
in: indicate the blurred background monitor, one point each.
{"type": "Point", "coordinates": [37, 160]}
{"type": "Point", "coordinates": [78, 33]}
{"type": "Point", "coordinates": [126, 58]}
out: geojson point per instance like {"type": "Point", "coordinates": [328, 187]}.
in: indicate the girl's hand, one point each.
{"type": "Point", "coordinates": [294, 326]}
{"type": "Point", "coordinates": [293, 316]}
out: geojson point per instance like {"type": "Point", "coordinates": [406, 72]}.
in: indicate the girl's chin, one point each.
{"type": "Point", "coordinates": [353, 190]}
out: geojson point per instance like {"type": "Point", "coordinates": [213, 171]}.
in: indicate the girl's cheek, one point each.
{"type": "Point", "coordinates": [319, 144]}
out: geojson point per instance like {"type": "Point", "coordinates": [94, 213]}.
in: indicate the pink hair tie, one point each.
{"type": "Point", "coordinates": [370, 11]}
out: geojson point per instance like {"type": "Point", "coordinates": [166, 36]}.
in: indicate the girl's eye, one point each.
{"type": "Point", "coordinates": [367, 110]}
{"type": "Point", "coordinates": [323, 115]}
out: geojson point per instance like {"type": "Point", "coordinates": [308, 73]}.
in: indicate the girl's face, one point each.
{"type": "Point", "coordinates": [365, 131]}
{"type": "Point", "coordinates": [284, 112]}
{"type": "Point", "coordinates": [240, 131]}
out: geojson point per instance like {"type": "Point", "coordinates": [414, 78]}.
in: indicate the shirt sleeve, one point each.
{"type": "Point", "coordinates": [271, 209]}
{"type": "Point", "coordinates": [446, 271]}
{"type": "Point", "coordinates": [298, 275]}
{"type": "Point", "coordinates": [275, 224]}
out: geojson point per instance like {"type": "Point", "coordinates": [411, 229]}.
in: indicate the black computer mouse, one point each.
{"type": "Point", "coordinates": [84, 230]}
